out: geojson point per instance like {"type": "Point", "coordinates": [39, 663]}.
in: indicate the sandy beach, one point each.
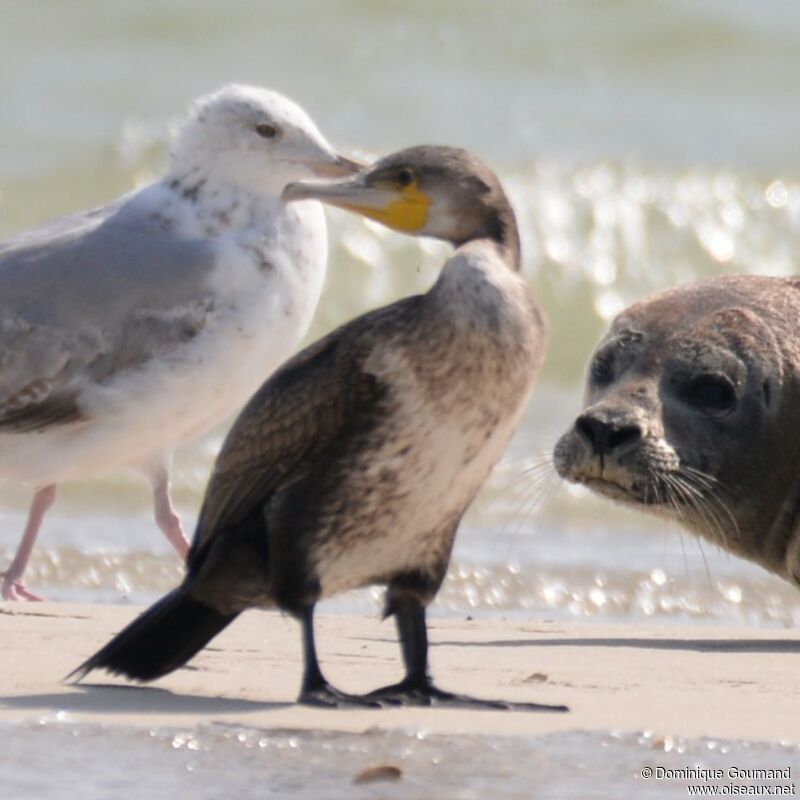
{"type": "Point", "coordinates": [673, 680]}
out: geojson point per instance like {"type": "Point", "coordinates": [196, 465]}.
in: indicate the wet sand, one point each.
{"type": "Point", "coordinates": [673, 680]}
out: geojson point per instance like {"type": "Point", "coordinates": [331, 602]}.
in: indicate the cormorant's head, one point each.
{"type": "Point", "coordinates": [442, 192]}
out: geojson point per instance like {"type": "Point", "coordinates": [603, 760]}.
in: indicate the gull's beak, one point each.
{"type": "Point", "coordinates": [338, 166]}
{"type": "Point", "coordinates": [403, 209]}
{"type": "Point", "coordinates": [344, 194]}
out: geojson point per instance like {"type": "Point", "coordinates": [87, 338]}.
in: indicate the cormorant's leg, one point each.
{"type": "Point", "coordinates": [315, 690]}
{"type": "Point", "coordinates": [417, 688]}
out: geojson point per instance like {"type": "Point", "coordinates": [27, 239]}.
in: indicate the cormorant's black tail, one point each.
{"type": "Point", "coordinates": [162, 639]}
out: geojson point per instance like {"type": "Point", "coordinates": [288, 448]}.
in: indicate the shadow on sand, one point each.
{"type": "Point", "coordinates": [100, 699]}
{"type": "Point", "coordinates": [784, 646]}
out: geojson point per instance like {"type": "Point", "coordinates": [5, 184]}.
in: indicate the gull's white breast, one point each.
{"type": "Point", "coordinates": [257, 303]}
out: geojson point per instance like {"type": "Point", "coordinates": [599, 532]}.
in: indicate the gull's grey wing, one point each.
{"type": "Point", "coordinates": [89, 295]}
{"type": "Point", "coordinates": [316, 401]}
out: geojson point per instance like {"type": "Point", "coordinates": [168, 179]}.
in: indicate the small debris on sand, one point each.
{"type": "Point", "coordinates": [376, 774]}
{"type": "Point", "coordinates": [536, 677]}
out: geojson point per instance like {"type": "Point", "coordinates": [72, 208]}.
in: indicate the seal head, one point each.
{"type": "Point", "coordinates": [691, 411]}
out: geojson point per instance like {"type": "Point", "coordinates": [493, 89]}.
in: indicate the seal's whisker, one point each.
{"type": "Point", "coordinates": [541, 473]}
{"type": "Point", "coordinates": [546, 489]}
{"type": "Point", "coordinates": [532, 468]}
{"type": "Point", "coordinates": [525, 458]}
{"type": "Point", "coordinates": [527, 462]}
{"type": "Point", "coordinates": [694, 500]}
{"type": "Point", "coordinates": [538, 487]}
{"type": "Point", "coordinates": [699, 475]}
{"type": "Point", "coordinates": [713, 490]}
{"type": "Point", "coordinates": [706, 509]}
{"type": "Point", "coordinates": [544, 464]}
{"type": "Point", "coordinates": [728, 514]}
{"type": "Point", "coordinates": [539, 499]}
{"type": "Point", "coordinates": [672, 500]}
{"type": "Point", "coordinates": [530, 474]}
{"type": "Point", "coordinates": [655, 486]}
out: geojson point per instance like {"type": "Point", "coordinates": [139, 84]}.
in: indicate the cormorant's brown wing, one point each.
{"type": "Point", "coordinates": [315, 398]}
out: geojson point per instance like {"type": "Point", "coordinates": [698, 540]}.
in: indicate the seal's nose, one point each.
{"type": "Point", "coordinates": [608, 436]}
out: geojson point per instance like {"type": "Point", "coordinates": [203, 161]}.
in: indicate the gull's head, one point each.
{"type": "Point", "coordinates": [254, 137]}
{"type": "Point", "coordinates": [444, 192]}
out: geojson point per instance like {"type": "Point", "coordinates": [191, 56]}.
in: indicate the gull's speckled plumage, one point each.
{"type": "Point", "coordinates": [128, 330]}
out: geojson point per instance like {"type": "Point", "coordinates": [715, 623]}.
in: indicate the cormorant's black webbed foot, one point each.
{"type": "Point", "coordinates": [417, 688]}
{"type": "Point", "coordinates": [424, 693]}
{"type": "Point", "coordinates": [316, 691]}
{"type": "Point", "coordinates": [326, 696]}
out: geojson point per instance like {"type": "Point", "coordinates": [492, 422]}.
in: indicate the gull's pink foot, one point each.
{"type": "Point", "coordinates": [171, 526]}
{"type": "Point", "coordinates": [167, 517]}
{"type": "Point", "coordinates": [15, 589]}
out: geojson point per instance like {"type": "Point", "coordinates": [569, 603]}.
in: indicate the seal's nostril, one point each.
{"type": "Point", "coordinates": [591, 429]}
{"type": "Point", "coordinates": [606, 437]}
{"type": "Point", "coordinates": [625, 435]}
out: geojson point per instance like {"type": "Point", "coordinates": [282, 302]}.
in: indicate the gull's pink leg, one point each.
{"type": "Point", "coordinates": [14, 587]}
{"type": "Point", "coordinates": [166, 516]}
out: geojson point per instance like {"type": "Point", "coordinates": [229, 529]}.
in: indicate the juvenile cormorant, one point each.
{"type": "Point", "coordinates": [354, 463]}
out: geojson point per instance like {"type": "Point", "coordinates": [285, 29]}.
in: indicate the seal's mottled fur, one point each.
{"type": "Point", "coordinates": [691, 410]}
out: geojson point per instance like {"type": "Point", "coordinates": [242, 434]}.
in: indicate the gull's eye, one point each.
{"type": "Point", "coordinates": [405, 177]}
{"type": "Point", "coordinates": [266, 131]}
{"type": "Point", "coordinates": [711, 393]}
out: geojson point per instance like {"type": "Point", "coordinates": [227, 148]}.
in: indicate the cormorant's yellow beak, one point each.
{"type": "Point", "coordinates": [401, 208]}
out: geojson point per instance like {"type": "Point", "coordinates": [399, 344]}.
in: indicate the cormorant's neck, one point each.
{"type": "Point", "coordinates": [499, 226]}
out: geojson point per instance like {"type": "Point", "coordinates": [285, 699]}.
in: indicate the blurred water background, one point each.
{"type": "Point", "coordinates": [643, 143]}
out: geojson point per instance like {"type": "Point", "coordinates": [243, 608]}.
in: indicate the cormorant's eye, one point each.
{"type": "Point", "coordinates": [405, 177]}
{"type": "Point", "coordinates": [712, 393]}
{"type": "Point", "coordinates": [601, 371]}
{"type": "Point", "coordinates": [266, 131]}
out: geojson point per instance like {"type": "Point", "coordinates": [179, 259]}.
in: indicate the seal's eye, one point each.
{"type": "Point", "coordinates": [601, 372]}
{"type": "Point", "coordinates": [712, 393]}
{"type": "Point", "coordinates": [405, 177]}
{"type": "Point", "coordinates": [266, 131]}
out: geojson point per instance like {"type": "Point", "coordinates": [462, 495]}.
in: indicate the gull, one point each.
{"type": "Point", "coordinates": [130, 329]}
